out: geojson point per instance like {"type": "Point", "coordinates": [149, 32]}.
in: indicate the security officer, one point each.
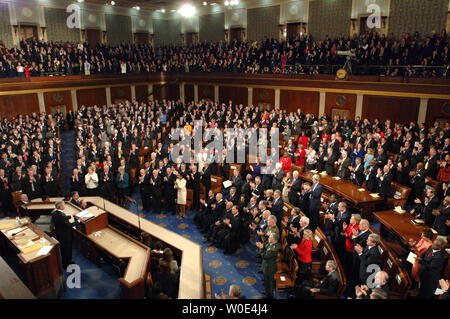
{"type": "Point", "coordinates": [269, 255]}
{"type": "Point", "coordinates": [270, 229]}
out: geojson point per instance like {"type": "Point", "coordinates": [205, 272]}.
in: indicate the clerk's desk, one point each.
{"type": "Point", "coordinates": [117, 243]}
{"type": "Point", "coordinates": [11, 287]}
{"type": "Point", "coordinates": [361, 200]}
{"type": "Point", "coordinates": [42, 273]}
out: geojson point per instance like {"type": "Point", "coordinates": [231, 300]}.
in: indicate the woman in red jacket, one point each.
{"type": "Point", "coordinates": [348, 231]}
{"type": "Point", "coordinates": [303, 140]}
{"type": "Point", "coordinates": [300, 156]}
{"type": "Point", "coordinates": [303, 252]}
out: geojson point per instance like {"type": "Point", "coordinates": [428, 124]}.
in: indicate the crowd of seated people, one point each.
{"type": "Point", "coordinates": [108, 141]}
{"type": "Point", "coordinates": [410, 56]}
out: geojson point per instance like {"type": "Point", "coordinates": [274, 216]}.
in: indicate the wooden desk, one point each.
{"type": "Point", "coordinates": [349, 191]}
{"type": "Point", "coordinates": [399, 225]}
{"type": "Point", "coordinates": [191, 267]}
{"type": "Point", "coordinates": [11, 287]}
{"type": "Point", "coordinates": [43, 273]}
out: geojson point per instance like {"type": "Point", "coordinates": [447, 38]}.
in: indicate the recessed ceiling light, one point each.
{"type": "Point", "coordinates": [187, 10]}
{"type": "Point", "coordinates": [205, 3]}
{"type": "Point", "coordinates": [113, 3]}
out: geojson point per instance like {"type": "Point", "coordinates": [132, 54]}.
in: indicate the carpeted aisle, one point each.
{"type": "Point", "coordinates": [68, 158]}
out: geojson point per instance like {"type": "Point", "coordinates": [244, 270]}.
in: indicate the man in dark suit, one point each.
{"type": "Point", "coordinates": [206, 176]}
{"type": "Point", "coordinates": [359, 237]}
{"type": "Point", "coordinates": [330, 159]}
{"type": "Point", "coordinates": [292, 225]}
{"type": "Point", "coordinates": [381, 158]}
{"type": "Point", "coordinates": [328, 286]}
{"type": "Point", "coordinates": [63, 229]}
{"type": "Point", "coordinates": [278, 175]}
{"type": "Point", "coordinates": [441, 223]}
{"type": "Point", "coordinates": [277, 206]}
{"type": "Point", "coordinates": [233, 196]}
{"type": "Point", "coordinates": [357, 172]}
{"type": "Point", "coordinates": [156, 191]}
{"type": "Point", "coordinates": [371, 177]}
{"type": "Point", "coordinates": [431, 166]}
{"type": "Point", "coordinates": [418, 181]}
{"type": "Point", "coordinates": [228, 238]}
{"type": "Point", "coordinates": [335, 223]}
{"type": "Point", "coordinates": [432, 262]}
{"type": "Point", "coordinates": [237, 181]}
{"type": "Point", "coordinates": [169, 190]}
{"type": "Point", "coordinates": [368, 256]}
{"type": "Point", "coordinates": [433, 204]}
{"type": "Point", "coordinates": [314, 202]}
{"type": "Point", "coordinates": [295, 189]}
{"type": "Point", "coordinates": [344, 163]}
{"type": "Point", "coordinates": [246, 188]}
{"type": "Point", "coordinates": [385, 179]}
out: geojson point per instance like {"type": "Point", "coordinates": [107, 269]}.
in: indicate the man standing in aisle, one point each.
{"type": "Point", "coordinates": [269, 262]}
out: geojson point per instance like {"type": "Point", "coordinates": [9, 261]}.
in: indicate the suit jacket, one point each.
{"type": "Point", "coordinates": [277, 180]}
{"type": "Point", "coordinates": [432, 264]}
{"type": "Point", "coordinates": [357, 176]}
{"type": "Point", "coordinates": [368, 257]}
{"type": "Point", "coordinates": [329, 164]}
{"type": "Point", "coordinates": [343, 171]}
{"type": "Point", "coordinates": [385, 185]}
{"type": "Point", "coordinates": [63, 227]}
{"type": "Point", "coordinates": [330, 284]}
{"type": "Point", "coordinates": [277, 209]}
{"type": "Point", "coordinates": [431, 167]}
{"type": "Point", "coordinates": [314, 198]}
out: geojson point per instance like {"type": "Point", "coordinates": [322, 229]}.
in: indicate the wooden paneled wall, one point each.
{"type": "Point", "coordinates": [396, 109]}
{"type": "Point", "coordinates": [206, 92]}
{"type": "Point", "coordinates": [188, 93]}
{"type": "Point", "coordinates": [12, 105]}
{"type": "Point", "coordinates": [342, 101]}
{"type": "Point", "coordinates": [239, 95]}
{"type": "Point", "coordinates": [437, 109]}
{"type": "Point", "coordinates": [308, 102]}
{"type": "Point", "coordinates": [141, 92]}
{"type": "Point", "coordinates": [266, 96]}
{"type": "Point", "coordinates": [60, 98]}
{"type": "Point", "coordinates": [120, 93]}
{"type": "Point", "coordinates": [89, 97]}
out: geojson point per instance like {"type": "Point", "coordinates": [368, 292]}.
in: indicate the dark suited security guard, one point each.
{"type": "Point", "coordinates": [269, 255]}
{"type": "Point", "coordinates": [63, 230]}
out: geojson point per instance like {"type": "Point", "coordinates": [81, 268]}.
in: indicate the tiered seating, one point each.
{"type": "Point", "coordinates": [322, 251]}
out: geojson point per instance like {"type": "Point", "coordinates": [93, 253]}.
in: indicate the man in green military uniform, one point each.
{"type": "Point", "coordinates": [269, 255]}
{"type": "Point", "coordinates": [270, 229]}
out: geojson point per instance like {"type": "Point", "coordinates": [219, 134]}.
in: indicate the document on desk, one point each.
{"type": "Point", "coordinates": [313, 171]}
{"type": "Point", "coordinates": [44, 250]}
{"type": "Point", "coordinates": [375, 195]}
{"type": "Point", "coordinates": [84, 214]}
{"type": "Point", "coordinates": [337, 178]}
{"type": "Point", "coordinates": [323, 173]}
{"type": "Point", "coordinates": [399, 209]}
{"type": "Point", "coordinates": [283, 278]}
{"type": "Point", "coordinates": [411, 258]}
{"type": "Point", "coordinates": [227, 184]}
{"type": "Point", "coordinates": [7, 226]}
{"type": "Point", "coordinates": [361, 189]}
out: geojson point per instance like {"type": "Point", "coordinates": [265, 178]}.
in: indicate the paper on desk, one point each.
{"type": "Point", "coordinates": [411, 258]}
{"type": "Point", "coordinates": [85, 214]}
{"type": "Point", "coordinates": [361, 189]}
{"type": "Point", "coordinates": [313, 171]}
{"type": "Point", "coordinates": [337, 178]}
{"type": "Point", "coordinates": [375, 195]}
{"type": "Point", "coordinates": [227, 184]}
{"type": "Point", "coordinates": [44, 250]}
{"type": "Point", "coordinates": [7, 226]}
{"type": "Point", "coordinates": [283, 278]}
{"type": "Point", "coordinates": [399, 209]}
{"type": "Point", "coordinates": [323, 173]}
{"type": "Point", "coordinates": [434, 231]}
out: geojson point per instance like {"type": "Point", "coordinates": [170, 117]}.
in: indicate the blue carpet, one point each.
{"type": "Point", "coordinates": [95, 282]}
{"type": "Point", "coordinates": [239, 268]}
{"type": "Point", "coordinates": [68, 158]}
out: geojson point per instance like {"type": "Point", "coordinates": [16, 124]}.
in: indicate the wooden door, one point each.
{"type": "Point", "coordinates": [28, 32]}
{"type": "Point", "coordinates": [94, 37]}
{"type": "Point", "coordinates": [235, 34]}
{"type": "Point", "coordinates": [141, 38]}
{"type": "Point", "coordinates": [292, 30]}
{"type": "Point", "coordinates": [189, 38]}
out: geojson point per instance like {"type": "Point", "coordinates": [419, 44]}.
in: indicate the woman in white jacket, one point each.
{"type": "Point", "coordinates": [180, 186]}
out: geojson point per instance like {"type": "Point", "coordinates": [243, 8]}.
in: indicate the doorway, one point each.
{"type": "Point", "coordinates": [29, 32]}
{"type": "Point", "coordinates": [93, 37]}
{"type": "Point", "coordinates": [141, 38]}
